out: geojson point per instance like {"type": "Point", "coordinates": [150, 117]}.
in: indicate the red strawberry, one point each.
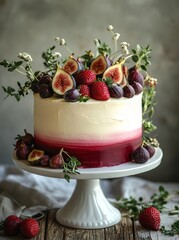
{"type": "Point", "coordinates": [99, 91]}
{"type": "Point", "coordinates": [11, 225]}
{"type": "Point", "coordinates": [29, 228]}
{"type": "Point", "coordinates": [85, 77]}
{"type": "Point", "coordinates": [84, 90]}
{"type": "Point", "coordinates": [150, 218]}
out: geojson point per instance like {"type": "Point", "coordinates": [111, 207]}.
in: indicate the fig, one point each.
{"type": "Point", "coordinates": [44, 161]}
{"type": "Point", "coordinates": [125, 70]}
{"type": "Point", "coordinates": [135, 75]}
{"type": "Point", "coordinates": [34, 86]}
{"type": "Point", "coordinates": [140, 155]}
{"type": "Point", "coordinates": [72, 66]}
{"type": "Point", "coordinates": [23, 151]}
{"type": "Point", "coordinates": [72, 95]}
{"type": "Point", "coordinates": [115, 91]}
{"type": "Point", "coordinates": [115, 73]}
{"type": "Point", "coordinates": [99, 65]}
{"type": "Point", "coordinates": [45, 79]}
{"type": "Point", "coordinates": [137, 87]}
{"type": "Point", "coordinates": [35, 156]}
{"type": "Point", "coordinates": [150, 149]}
{"type": "Point", "coordinates": [129, 91]}
{"type": "Point", "coordinates": [45, 90]}
{"type": "Point", "coordinates": [56, 161]}
{"type": "Point", "coordinates": [62, 82]}
{"type": "Point", "coordinates": [28, 138]}
{"type": "Point", "coordinates": [124, 81]}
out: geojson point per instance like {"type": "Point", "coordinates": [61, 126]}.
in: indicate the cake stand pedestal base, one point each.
{"type": "Point", "coordinates": [88, 208]}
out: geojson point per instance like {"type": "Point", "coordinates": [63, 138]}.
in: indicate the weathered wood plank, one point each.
{"type": "Point", "coordinates": [42, 223]}
{"type": "Point", "coordinates": [121, 231]}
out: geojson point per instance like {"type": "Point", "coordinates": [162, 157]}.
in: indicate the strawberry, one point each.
{"type": "Point", "coordinates": [29, 228]}
{"type": "Point", "coordinates": [11, 225]}
{"type": "Point", "coordinates": [150, 218]}
{"type": "Point", "coordinates": [85, 77]}
{"type": "Point", "coordinates": [99, 91]}
{"type": "Point", "coordinates": [84, 90]}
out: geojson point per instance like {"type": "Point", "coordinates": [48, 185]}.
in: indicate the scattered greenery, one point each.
{"type": "Point", "coordinates": [133, 206]}
{"type": "Point", "coordinates": [70, 165]}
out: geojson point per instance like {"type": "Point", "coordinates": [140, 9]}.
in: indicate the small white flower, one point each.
{"type": "Point", "coordinates": [116, 36]}
{"type": "Point", "coordinates": [57, 39]}
{"type": "Point", "coordinates": [110, 28]}
{"type": "Point", "coordinates": [125, 50]}
{"type": "Point", "coordinates": [62, 42]}
{"type": "Point", "coordinates": [57, 54]}
{"type": "Point", "coordinates": [25, 56]}
{"type": "Point", "coordinates": [125, 44]}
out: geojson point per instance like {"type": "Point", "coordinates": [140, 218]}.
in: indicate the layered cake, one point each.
{"type": "Point", "coordinates": [93, 110]}
{"type": "Point", "coordinates": [98, 133]}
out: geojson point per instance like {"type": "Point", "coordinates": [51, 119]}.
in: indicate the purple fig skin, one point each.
{"type": "Point", "coordinates": [34, 86]}
{"type": "Point", "coordinates": [46, 79]}
{"type": "Point", "coordinates": [135, 75]}
{"type": "Point", "coordinates": [150, 149]}
{"type": "Point", "coordinates": [115, 91]}
{"type": "Point", "coordinates": [44, 161]}
{"type": "Point", "coordinates": [137, 87]}
{"type": "Point", "coordinates": [129, 91]}
{"type": "Point", "coordinates": [28, 138]}
{"type": "Point", "coordinates": [45, 91]}
{"type": "Point", "coordinates": [140, 155]}
{"type": "Point", "coordinates": [56, 161]}
{"type": "Point", "coordinates": [72, 95]}
{"type": "Point", "coordinates": [23, 151]}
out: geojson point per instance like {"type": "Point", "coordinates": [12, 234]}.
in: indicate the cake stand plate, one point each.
{"type": "Point", "coordinates": [88, 207]}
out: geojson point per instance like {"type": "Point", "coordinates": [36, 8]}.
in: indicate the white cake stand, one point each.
{"type": "Point", "coordinates": [88, 208]}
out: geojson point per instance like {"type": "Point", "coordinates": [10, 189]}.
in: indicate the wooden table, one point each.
{"type": "Point", "coordinates": [125, 230]}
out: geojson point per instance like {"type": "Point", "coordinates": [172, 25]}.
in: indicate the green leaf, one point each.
{"type": "Point", "coordinates": [135, 58]}
{"type": "Point", "coordinates": [143, 67]}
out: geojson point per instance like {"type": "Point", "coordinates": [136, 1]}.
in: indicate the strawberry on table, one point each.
{"type": "Point", "coordinates": [85, 77]}
{"type": "Point", "coordinates": [29, 228]}
{"type": "Point", "coordinates": [99, 91]}
{"type": "Point", "coordinates": [11, 225]}
{"type": "Point", "coordinates": [150, 218]}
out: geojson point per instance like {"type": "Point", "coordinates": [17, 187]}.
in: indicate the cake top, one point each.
{"type": "Point", "coordinates": [105, 74]}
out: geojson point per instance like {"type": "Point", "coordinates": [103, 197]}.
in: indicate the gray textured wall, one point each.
{"type": "Point", "coordinates": [32, 25]}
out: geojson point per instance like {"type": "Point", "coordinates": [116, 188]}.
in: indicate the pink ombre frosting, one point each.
{"type": "Point", "coordinates": [98, 133]}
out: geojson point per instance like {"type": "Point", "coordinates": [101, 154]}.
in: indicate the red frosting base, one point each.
{"type": "Point", "coordinates": [93, 156]}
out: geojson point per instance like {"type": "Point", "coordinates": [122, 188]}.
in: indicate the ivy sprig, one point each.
{"type": "Point", "coordinates": [24, 89]}
{"type": "Point", "coordinates": [70, 165]}
{"type": "Point", "coordinates": [51, 60]}
{"type": "Point", "coordinates": [141, 56]}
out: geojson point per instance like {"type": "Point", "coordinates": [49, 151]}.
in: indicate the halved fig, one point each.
{"type": "Point", "coordinates": [62, 82]}
{"type": "Point", "coordinates": [124, 82]}
{"type": "Point", "coordinates": [99, 65]}
{"type": "Point", "coordinates": [72, 66]}
{"type": "Point", "coordinates": [35, 156]}
{"type": "Point", "coordinates": [115, 73]}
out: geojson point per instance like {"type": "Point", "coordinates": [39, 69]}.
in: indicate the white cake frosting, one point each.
{"type": "Point", "coordinates": [87, 122]}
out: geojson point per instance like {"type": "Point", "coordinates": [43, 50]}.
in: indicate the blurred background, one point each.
{"type": "Point", "coordinates": [32, 26]}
